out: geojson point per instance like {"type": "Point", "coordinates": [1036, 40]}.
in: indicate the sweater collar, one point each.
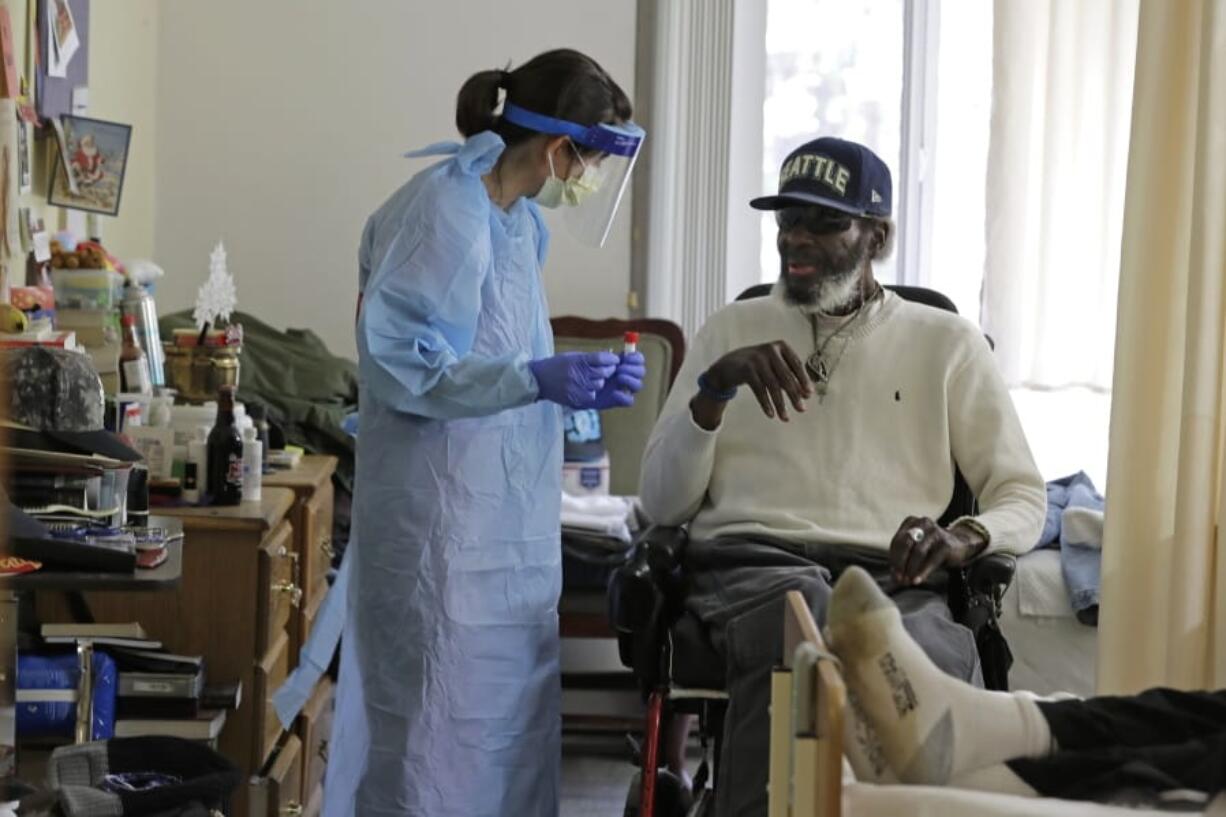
{"type": "Point", "coordinates": [879, 310]}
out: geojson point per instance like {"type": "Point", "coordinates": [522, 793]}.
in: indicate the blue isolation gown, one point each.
{"type": "Point", "coordinates": [449, 695]}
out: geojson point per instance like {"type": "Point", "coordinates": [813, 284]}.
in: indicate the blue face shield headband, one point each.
{"type": "Point", "coordinates": [605, 178]}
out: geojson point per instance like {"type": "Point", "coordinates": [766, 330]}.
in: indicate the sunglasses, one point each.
{"type": "Point", "coordinates": [814, 219]}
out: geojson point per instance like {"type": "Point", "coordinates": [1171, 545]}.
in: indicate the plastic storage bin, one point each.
{"type": "Point", "coordinates": [87, 288]}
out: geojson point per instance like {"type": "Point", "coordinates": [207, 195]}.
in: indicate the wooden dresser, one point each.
{"type": "Point", "coordinates": [311, 483]}
{"type": "Point", "coordinates": [234, 606]}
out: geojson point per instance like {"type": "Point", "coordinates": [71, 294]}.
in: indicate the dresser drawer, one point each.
{"type": "Point", "coordinates": [277, 790]}
{"type": "Point", "coordinates": [303, 621]}
{"type": "Point", "coordinates": [270, 673]}
{"type": "Point", "coordinates": [279, 593]}
{"type": "Point", "coordinates": [316, 538]}
{"type": "Point", "coordinates": [315, 729]}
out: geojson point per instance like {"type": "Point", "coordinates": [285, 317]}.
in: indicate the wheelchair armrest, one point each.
{"type": "Point", "coordinates": [639, 586]}
{"type": "Point", "coordinates": [642, 598]}
{"type": "Point", "coordinates": [991, 576]}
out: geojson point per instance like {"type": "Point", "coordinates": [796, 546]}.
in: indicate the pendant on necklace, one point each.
{"type": "Point", "coordinates": [816, 367]}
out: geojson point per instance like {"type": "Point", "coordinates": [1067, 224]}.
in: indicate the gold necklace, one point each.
{"type": "Point", "coordinates": [816, 366]}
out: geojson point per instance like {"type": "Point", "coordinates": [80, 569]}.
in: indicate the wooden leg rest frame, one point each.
{"type": "Point", "coordinates": [808, 700]}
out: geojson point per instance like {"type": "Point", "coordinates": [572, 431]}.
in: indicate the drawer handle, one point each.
{"type": "Point", "coordinates": [325, 547]}
{"type": "Point", "coordinates": [292, 809]}
{"type": "Point", "coordinates": [294, 591]}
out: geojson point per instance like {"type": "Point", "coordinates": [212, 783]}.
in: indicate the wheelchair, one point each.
{"type": "Point", "coordinates": [678, 672]}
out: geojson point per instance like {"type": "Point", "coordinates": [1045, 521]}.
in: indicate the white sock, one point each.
{"type": "Point", "coordinates": [862, 747]}
{"type": "Point", "coordinates": [931, 726]}
{"type": "Point", "coordinates": [999, 779]}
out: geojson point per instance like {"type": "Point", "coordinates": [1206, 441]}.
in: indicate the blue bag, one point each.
{"type": "Point", "coordinates": [43, 705]}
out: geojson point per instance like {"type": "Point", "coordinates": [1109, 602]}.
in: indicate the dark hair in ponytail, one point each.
{"type": "Point", "coordinates": [563, 84]}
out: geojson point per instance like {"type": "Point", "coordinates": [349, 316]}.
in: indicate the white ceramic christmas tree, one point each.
{"type": "Point", "coordinates": [217, 297]}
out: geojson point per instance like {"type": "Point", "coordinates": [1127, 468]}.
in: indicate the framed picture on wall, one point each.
{"type": "Point", "coordinates": [93, 158]}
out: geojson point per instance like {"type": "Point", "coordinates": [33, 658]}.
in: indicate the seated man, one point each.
{"type": "Point", "coordinates": [804, 426]}
{"type": "Point", "coordinates": [1162, 748]}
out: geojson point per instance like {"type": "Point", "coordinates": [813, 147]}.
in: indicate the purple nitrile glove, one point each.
{"type": "Point", "coordinates": [573, 379]}
{"type": "Point", "coordinates": [627, 381]}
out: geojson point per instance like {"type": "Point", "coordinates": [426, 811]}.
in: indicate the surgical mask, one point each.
{"type": "Point", "coordinates": [571, 192]}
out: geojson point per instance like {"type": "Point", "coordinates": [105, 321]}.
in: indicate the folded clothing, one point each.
{"type": "Point", "coordinates": [1075, 525]}
{"type": "Point", "coordinates": [609, 516]}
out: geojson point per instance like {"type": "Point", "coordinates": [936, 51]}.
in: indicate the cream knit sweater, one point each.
{"type": "Point", "coordinates": [915, 391]}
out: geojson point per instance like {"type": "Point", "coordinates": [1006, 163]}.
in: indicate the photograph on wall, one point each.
{"type": "Point", "coordinates": [94, 157]}
{"type": "Point", "coordinates": [25, 176]}
{"type": "Point", "coordinates": [64, 39]}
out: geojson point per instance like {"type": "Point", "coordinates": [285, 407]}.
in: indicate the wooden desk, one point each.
{"type": "Point", "coordinates": [232, 606]}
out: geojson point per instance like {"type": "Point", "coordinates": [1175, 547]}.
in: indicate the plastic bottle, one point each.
{"type": "Point", "coordinates": [253, 465]}
{"type": "Point", "coordinates": [133, 365]}
{"type": "Point", "coordinates": [225, 453]}
{"type": "Point", "coordinates": [259, 417]}
{"type": "Point", "coordinates": [196, 469]}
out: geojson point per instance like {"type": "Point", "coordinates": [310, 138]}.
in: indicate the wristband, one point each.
{"type": "Point", "coordinates": [706, 388]}
{"type": "Point", "coordinates": [974, 525]}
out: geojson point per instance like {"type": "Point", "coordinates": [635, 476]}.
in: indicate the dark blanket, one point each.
{"type": "Point", "coordinates": [307, 389]}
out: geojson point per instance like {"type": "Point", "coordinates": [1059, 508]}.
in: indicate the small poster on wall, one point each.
{"type": "Point", "coordinates": [94, 157]}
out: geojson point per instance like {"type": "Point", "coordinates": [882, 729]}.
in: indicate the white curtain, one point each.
{"type": "Point", "coordinates": [1062, 94]}
{"type": "Point", "coordinates": [1163, 613]}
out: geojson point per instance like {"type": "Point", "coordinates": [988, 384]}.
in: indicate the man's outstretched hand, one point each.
{"type": "Point", "coordinates": [772, 371]}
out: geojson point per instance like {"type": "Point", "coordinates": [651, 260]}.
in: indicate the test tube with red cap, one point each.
{"type": "Point", "coordinates": [630, 343]}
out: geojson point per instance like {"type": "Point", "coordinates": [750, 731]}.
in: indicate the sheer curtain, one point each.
{"type": "Point", "coordinates": [1163, 614]}
{"type": "Point", "coordinates": [1062, 94]}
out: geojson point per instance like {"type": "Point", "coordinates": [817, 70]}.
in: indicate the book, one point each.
{"type": "Point", "coordinates": [163, 709]}
{"type": "Point", "coordinates": [222, 696]}
{"type": "Point", "coordinates": [105, 641]}
{"type": "Point", "coordinates": [131, 629]}
{"type": "Point", "coordinates": [62, 340]}
{"type": "Point", "coordinates": [130, 660]}
{"type": "Point", "coordinates": [160, 685]}
{"type": "Point", "coordinates": [206, 725]}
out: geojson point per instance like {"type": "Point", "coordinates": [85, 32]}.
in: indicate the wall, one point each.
{"type": "Point", "coordinates": [122, 75]}
{"type": "Point", "coordinates": [123, 69]}
{"type": "Point", "coordinates": [280, 126]}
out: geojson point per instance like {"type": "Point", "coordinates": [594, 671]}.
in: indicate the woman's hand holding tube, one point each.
{"type": "Point", "coordinates": [574, 379]}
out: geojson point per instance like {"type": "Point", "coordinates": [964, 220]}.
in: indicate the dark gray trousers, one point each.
{"type": "Point", "coordinates": [737, 590]}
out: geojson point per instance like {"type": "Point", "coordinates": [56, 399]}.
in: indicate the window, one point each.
{"type": "Point", "coordinates": [833, 68]}
{"type": "Point", "coordinates": [874, 71]}
{"type": "Point", "coordinates": [912, 79]}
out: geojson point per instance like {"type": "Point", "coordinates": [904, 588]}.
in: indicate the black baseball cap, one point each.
{"type": "Point", "coordinates": [834, 173]}
{"type": "Point", "coordinates": [57, 396]}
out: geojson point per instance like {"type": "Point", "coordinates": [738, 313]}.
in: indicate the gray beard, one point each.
{"type": "Point", "coordinates": [837, 293]}
{"type": "Point", "coordinates": [832, 295]}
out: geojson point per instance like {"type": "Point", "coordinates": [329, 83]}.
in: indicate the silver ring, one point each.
{"type": "Point", "coordinates": [916, 534]}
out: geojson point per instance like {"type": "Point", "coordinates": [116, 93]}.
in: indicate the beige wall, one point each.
{"type": "Point", "coordinates": [123, 70]}
{"type": "Point", "coordinates": [123, 88]}
{"type": "Point", "coordinates": [280, 126]}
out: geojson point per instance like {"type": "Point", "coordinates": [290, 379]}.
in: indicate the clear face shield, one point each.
{"type": "Point", "coordinates": [595, 195]}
